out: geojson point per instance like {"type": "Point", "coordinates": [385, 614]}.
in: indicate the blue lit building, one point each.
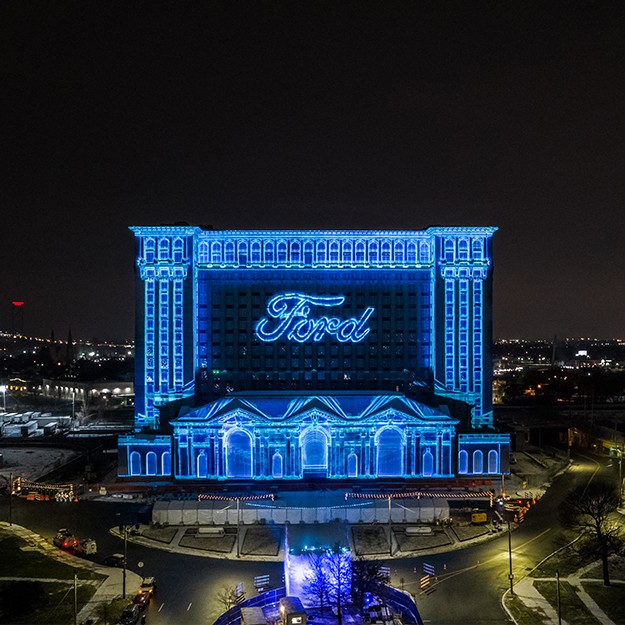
{"type": "Point", "coordinates": [338, 354]}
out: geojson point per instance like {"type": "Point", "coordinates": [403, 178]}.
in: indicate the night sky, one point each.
{"type": "Point", "coordinates": [313, 115]}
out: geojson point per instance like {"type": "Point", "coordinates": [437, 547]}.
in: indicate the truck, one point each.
{"type": "Point", "coordinates": [86, 548]}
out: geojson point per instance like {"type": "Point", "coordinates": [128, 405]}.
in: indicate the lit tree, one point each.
{"type": "Point", "coordinates": [367, 575]}
{"type": "Point", "coordinates": [339, 567]}
{"type": "Point", "coordinates": [228, 596]}
{"type": "Point", "coordinates": [588, 510]}
{"type": "Point", "coordinates": [317, 579]}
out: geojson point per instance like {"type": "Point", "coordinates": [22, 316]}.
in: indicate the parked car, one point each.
{"type": "Point", "coordinates": [130, 614]}
{"type": "Point", "coordinates": [148, 585]}
{"type": "Point", "coordinates": [86, 548]}
{"type": "Point", "coordinates": [117, 559]}
{"type": "Point", "coordinates": [64, 539]}
{"type": "Point", "coordinates": [142, 599]}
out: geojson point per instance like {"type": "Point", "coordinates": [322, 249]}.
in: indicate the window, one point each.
{"type": "Point", "coordinates": [352, 465]}
{"type": "Point", "coordinates": [428, 463]}
{"type": "Point", "coordinates": [276, 465]}
{"type": "Point", "coordinates": [178, 249]}
{"type": "Point", "coordinates": [163, 249]}
{"type": "Point", "coordinates": [463, 461]}
{"type": "Point", "coordinates": [216, 252]}
{"type": "Point", "coordinates": [135, 463]}
{"type": "Point", "coordinates": [390, 453]}
{"type": "Point", "coordinates": [150, 463]}
{"type": "Point", "coordinates": [166, 463]}
{"type": "Point", "coordinates": [478, 461]}
{"type": "Point", "coordinates": [203, 252]}
{"type": "Point", "coordinates": [202, 464]}
{"type": "Point", "coordinates": [239, 454]}
{"type": "Point", "coordinates": [493, 461]}
{"type": "Point", "coordinates": [149, 250]}
{"type": "Point", "coordinates": [314, 450]}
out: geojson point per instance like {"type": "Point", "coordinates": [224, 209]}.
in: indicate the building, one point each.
{"type": "Point", "coordinates": [337, 354]}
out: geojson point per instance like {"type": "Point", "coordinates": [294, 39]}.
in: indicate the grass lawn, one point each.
{"type": "Point", "coordinates": [262, 540]}
{"type": "Point", "coordinates": [15, 561]}
{"type": "Point", "coordinates": [611, 599]}
{"type": "Point", "coordinates": [573, 609]}
{"type": "Point", "coordinates": [370, 540]}
{"type": "Point", "coordinates": [524, 615]}
{"type": "Point", "coordinates": [161, 534]}
{"type": "Point", "coordinates": [56, 607]}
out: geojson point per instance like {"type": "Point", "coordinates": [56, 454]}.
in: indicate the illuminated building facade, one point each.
{"type": "Point", "coordinates": [282, 354]}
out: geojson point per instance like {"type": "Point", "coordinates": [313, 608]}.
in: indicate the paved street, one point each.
{"type": "Point", "coordinates": [469, 582]}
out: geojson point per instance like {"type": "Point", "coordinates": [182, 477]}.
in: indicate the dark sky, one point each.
{"type": "Point", "coordinates": [313, 115]}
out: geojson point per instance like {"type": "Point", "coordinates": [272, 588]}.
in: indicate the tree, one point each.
{"type": "Point", "coordinates": [339, 567]}
{"type": "Point", "coordinates": [229, 596]}
{"type": "Point", "coordinates": [317, 578]}
{"type": "Point", "coordinates": [367, 575]}
{"type": "Point", "coordinates": [589, 510]}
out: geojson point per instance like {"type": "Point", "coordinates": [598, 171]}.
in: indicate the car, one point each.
{"type": "Point", "coordinates": [142, 599]}
{"type": "Point", "coordinates": [130, 614]}
{"type": "Point", "coordinates": [65, 539]}
{"type": "Point", "coordinates": [148, 585]}
{"type": "Point", "coordinates": [117, 559]}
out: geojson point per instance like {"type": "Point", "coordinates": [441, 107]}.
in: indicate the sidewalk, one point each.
{"type": "Point", "coordinates": [109, 589]}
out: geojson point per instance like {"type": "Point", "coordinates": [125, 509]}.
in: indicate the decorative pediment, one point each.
{"type": "Point", "coordinates": [331, 408]}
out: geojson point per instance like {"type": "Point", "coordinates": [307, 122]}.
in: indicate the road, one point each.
{"type": "Point", "coordinates": [470, 582]}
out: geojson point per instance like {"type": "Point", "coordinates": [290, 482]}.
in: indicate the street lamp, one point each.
{"type": "Point", "coordinates": [3, 390]}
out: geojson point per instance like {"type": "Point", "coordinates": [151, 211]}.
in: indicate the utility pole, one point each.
{"type": "Point", "coordinates": [75, 599]}
{"type": "Point", "coordinates": [558, 597]}
{"type": "Point", "coordinates": [125, 554]}
{"type": "Point", "coordinates": [390, 528]}
{"type": "Point", "coordinates": [238, 528]}
{"type": "Point", "coordinates": [510, 574]}
{"type": "Point", "coordinates": [10, 498]}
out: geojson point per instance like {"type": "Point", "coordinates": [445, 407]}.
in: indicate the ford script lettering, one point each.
{"type": "Point", "coordinates": [289, 316]}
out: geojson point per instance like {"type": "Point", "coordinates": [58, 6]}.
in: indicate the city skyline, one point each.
{"type": "Point", "coordinates": [297, 116]}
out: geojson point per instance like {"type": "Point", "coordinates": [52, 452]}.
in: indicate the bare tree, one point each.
{"type": "Point", "coordinates": [589, 511]}
{"type": "Point", "coordinates": [317, 579]}
{"type": "Point", "coordinates": [339, 567]}
{"type": "Point", "coordinates": [228, 597]}
{"type": "Point", "coordinates": [367, 575]}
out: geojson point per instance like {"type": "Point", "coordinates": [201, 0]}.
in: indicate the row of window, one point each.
{"type": "Point", "coordinates": [309, 252]}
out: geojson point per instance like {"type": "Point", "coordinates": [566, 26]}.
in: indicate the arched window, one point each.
{"type": "Point", "coordinates": [166, 463]}
{"type": "Point", "coordinates": [390, 453]}
{"type": "Point", "coordinates": [296, 252]}
{"type": "Point", "coordinates": [309, 253]}
{"type": "Point", "coordinates": [282, 252]}
{"type": "Point", "coordinates": [493, 461]}
{"type": "Point", "coordinates": [347, 252]}
{"type": "Point", "coordinates": [178, 249]}
{"type": "Point", "coordinates": [203, 252]}
{"type": "Point", "coordinates": [239, 454]}
{"type": "Point", "coordinates": [334, 252]}
{"type": "Point", "coordinates": [135, 463]}
{"type": "Point", "coordinates": [478, 461]}
{"type": "Point", "coordinates": [477, 248]}
{"type": "Point", "coordinates": [242, 253]}
{"type": "Point", "coordinates": [352, 465]}
{"type": "Point", "coordinates": [424, 252]}
{"type": "Point", "coordinates": [149, 247]}
{"type": "Point", "coordinates": [276, 465]}
{"type": "Point", "coordinates": [427, 463]}
{"type": "Point", "coordinates": [229, 251]}
{"type": "Point", "coordinates": [411, 252]}
{"type": "Point", "coordinates": [163, 249]}
{"type": "Point", "coordinates": [398, 252]}
{"type": "Point", "coordinates": [216, 252]}
{"type": "Point", "coordinates": [386, 252]}
{"type": "Point", "coordinates": [269, 252]}
{"type": "Point", "coordinates": [321, 251]}
{"type": "Point", "coordinates": [373, 251]}
{"type": "Point", "coordinates": [449, 250]}
{"type": "Point", "coordinates": [150, 463]}
{"type": "Point", "coordinates": [463, 461]}
{"type": "Point", "coordinates": [314, 451]}
{"type": "Point", "coordinates": [201, 464]}
{"type": "Point", "coordinates": [463, 249]}
{"type": "Point", "coordinates": [360, 252]}
{"type": "Point", "coordinates": [255, 252]}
